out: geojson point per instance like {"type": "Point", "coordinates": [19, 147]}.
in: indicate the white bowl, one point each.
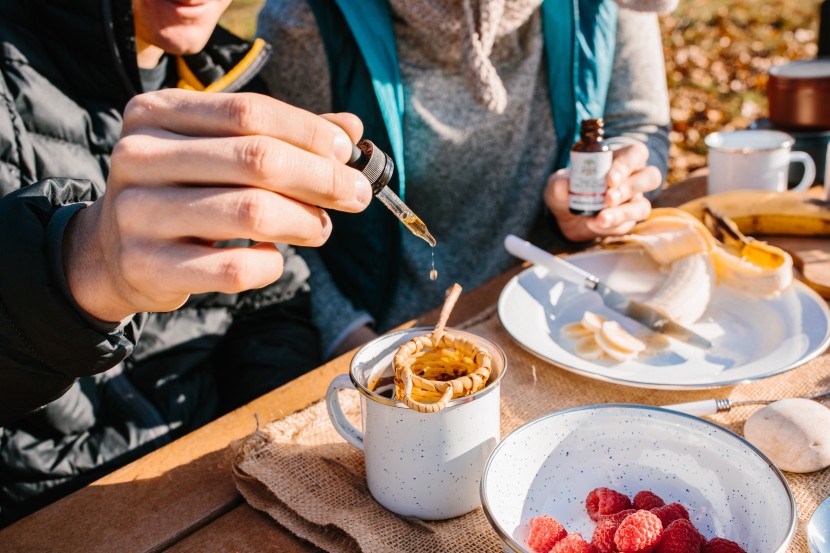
{"type": "Point", "coordinates": [548, 466]}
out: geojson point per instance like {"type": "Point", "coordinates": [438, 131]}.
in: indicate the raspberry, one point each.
{"type": "Point", "coordinates": [722, 545]}
{"type": "Point", "coordinates": [680, 536]}
{"type": "Point", "coordinates": [573, 543]}
{"type": "Point", "coordinates": [605, 501]}
{"type": "Point", "coordinates": [647, 500]}
{"type": "Point", "coordinates": [639, 533]}
{"type": "Point", "coordinates": [671, 512]}
{"type": "Point", "coordinates": [603, 538]}
{"type": "Point", "coordinates": [545, 532]}
{"type": "Point", "coordinates": [618, 517]}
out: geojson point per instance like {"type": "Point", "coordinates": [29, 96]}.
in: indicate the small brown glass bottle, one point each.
{"type": "Point", "coordinates": [590, 163]}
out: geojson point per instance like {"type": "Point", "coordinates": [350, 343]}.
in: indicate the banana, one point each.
{"type": "Point", "coordinates": [576, 330]}
{"type": "Point", "coordinates": [588, 348]}
{"type": "Point", "coordinates": [760, 212]}
{"type": "Point", "coordinates": [592, 321]}
{"type": "Point", "coordinates": [684, 294]}
{"type": "Point", "coordinates": [619, 338]}
{"type": "Point", "coordinates": [597, 337]}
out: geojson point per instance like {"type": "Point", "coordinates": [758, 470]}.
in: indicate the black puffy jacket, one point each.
{"type": "Point", "coordinates": [76, 399]}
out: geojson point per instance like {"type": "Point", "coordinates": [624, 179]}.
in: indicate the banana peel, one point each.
{"type": "Point", "coordinates": [760, 212]}
{"type": "Point", "coordinates": [799, 221]}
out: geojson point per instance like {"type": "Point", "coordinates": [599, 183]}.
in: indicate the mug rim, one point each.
{"type": "Point", "coordinates": [787, 141]}
{"type": "Point", "coordinates": [418, 331]}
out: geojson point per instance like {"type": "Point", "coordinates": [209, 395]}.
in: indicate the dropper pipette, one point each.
{"type": "Point", "coordinates": [378, 168]}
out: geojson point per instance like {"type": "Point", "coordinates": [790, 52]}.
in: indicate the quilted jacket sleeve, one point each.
{"type": "Point", "coordinates": [46, 343]}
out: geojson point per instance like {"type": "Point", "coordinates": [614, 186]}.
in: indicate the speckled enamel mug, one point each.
{"type": "Point", "coordinates": [424, 465]}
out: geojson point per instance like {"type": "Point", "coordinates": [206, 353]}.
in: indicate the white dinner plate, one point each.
{"type": "Point", "coordinates": [751, 338]}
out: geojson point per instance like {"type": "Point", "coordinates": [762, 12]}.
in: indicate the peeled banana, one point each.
{"type": "Point", "coordinates": [695, 260]}
{"type": "Point", "coordinates": [685, 293]}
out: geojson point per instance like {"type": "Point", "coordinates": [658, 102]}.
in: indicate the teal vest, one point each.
{"type": "Point", "coordinates": [364, 250]}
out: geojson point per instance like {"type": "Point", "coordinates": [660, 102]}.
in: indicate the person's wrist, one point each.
{"type": "Point", "coordinates": [87, 270]}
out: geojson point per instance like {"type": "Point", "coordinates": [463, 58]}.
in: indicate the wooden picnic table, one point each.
{"type": "Point", "coordinates": [181, 497]}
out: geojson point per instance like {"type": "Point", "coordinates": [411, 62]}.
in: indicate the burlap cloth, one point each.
{"type": "Point", "coordinates": [303, 474]}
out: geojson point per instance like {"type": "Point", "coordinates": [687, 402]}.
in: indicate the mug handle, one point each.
{"type": "Point", "coordinates": [338, 418]}
{"type": "Point", "coordinates": [809, 170]}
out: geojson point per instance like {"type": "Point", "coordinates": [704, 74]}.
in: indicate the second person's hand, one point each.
{"type": "Point", "coordinates": [628, 179]}
{"type": "Point", "coordinates": [192, 169]}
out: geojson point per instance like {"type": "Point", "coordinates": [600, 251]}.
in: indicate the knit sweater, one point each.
{"type": "Point", "coordinates": [473, 175]}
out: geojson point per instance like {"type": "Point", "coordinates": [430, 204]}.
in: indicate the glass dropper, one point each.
{"type": "Point", "coordinates": [378, 168]}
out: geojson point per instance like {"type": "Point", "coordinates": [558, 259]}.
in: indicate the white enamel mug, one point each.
{"type": "Point", "coordinates": [424, 465]}
{"type": "Point", "coordinates": [754, 159]}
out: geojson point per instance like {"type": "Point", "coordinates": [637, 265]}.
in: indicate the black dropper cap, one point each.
{"type": "Point", "coordinates": [373, 163]}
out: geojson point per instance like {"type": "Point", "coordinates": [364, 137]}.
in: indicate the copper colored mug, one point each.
{"type": "Point", "coordinates": [799, 95]}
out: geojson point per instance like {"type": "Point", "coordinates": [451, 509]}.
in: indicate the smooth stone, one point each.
{"type": "Point", "coordinates": [794, 433]}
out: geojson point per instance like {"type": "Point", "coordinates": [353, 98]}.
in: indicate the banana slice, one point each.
{"type": "Point", "coordinates": [619, 338]}
{"type": "Point", "coordinates": [613, 351]}
{"type": "Point", "coordinates": [655, 343]}
{"type": "Point", "coordinates": [588, 348]}
{"type": "Point", "coordinates": [592, 321]}
{"type": "Point", "coordinates": [597, 337]}
{"type": "Point", "coordinates": [576, 330]}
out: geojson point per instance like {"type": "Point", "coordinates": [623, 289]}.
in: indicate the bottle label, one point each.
{"type": "Point", "coordinates": [587, 180]}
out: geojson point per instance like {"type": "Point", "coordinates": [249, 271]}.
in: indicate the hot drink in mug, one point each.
{"type": "Point", "coordinates": [424, 465]}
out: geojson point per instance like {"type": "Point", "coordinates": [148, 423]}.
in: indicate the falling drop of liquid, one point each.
{"type": "Point", "coordinates": [433, 274]}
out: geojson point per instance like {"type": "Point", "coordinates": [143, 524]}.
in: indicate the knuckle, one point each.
{"type": "Point", "coordinates": [312, 131]}
{"type": "Point", "coordinates": [256, 157]}
{"type": "Point", "coordinates": [242, 111]}
{"type": "Point", "coordinates": [141, 107]}
{"type": "Point", "coordinates": [336, 183]}
{"type": "Point", "coordinates": [251, 210]}
{"type": "Point", "coordinates": [232, 273]}
{"type": "Point", "coordinates": [131, 147]}
{"type": "Point", "coordinates": [126, 209]}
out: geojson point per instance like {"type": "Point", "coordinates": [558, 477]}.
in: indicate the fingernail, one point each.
{"type": "Point", "coordinates": [342, 147]}
{"type": "Point", "coordinates": [615, 177]}
{"type": "Point", "coordinates": [325, 224]}
{"type": "Point", "coordinates": [362, 189]}
{"type": "Point", "coordinates": [615, 196]}
{"type": "Point", "coordinates": [608, 221]}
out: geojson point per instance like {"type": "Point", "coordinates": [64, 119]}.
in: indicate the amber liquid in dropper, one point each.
{"type": "Point", "coordinates": [417, 227]}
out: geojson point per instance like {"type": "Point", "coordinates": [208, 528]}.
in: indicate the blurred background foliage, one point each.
{"type": "Point", "coordinates": [717, 52]}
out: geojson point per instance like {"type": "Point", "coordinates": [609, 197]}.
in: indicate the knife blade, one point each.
{"type": "Point", "coordinates": [620, 303]}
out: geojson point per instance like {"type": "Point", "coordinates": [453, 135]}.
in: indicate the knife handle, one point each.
{"type": "Point", "coordinates": [697, 408]}
{"type": "Point", "coordinates": [525, 250]}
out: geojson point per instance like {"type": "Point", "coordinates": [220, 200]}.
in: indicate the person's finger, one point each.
{"type": "Point", "coordinates": [162, 158]}
{"type": "Point", "coordinates": [198, 114]}
{"type": "Point", "coordinates": [638, 182]}
{"type": "Point", "coordinates": [186, 268]}
{"type": "Point", "coordinates": [348, 122]}
{"type": "Point", "coordinates": [626, 160]}
{"type": "Point", "coordinates": [620, 219]}
{"type": "Point", "coordinates": [556, 191]}
{"type": "Point", "coordinates": [214, 214]}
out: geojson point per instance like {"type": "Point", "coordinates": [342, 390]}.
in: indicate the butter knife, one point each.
{"type": "Point", "coordinates": [635, 310]}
